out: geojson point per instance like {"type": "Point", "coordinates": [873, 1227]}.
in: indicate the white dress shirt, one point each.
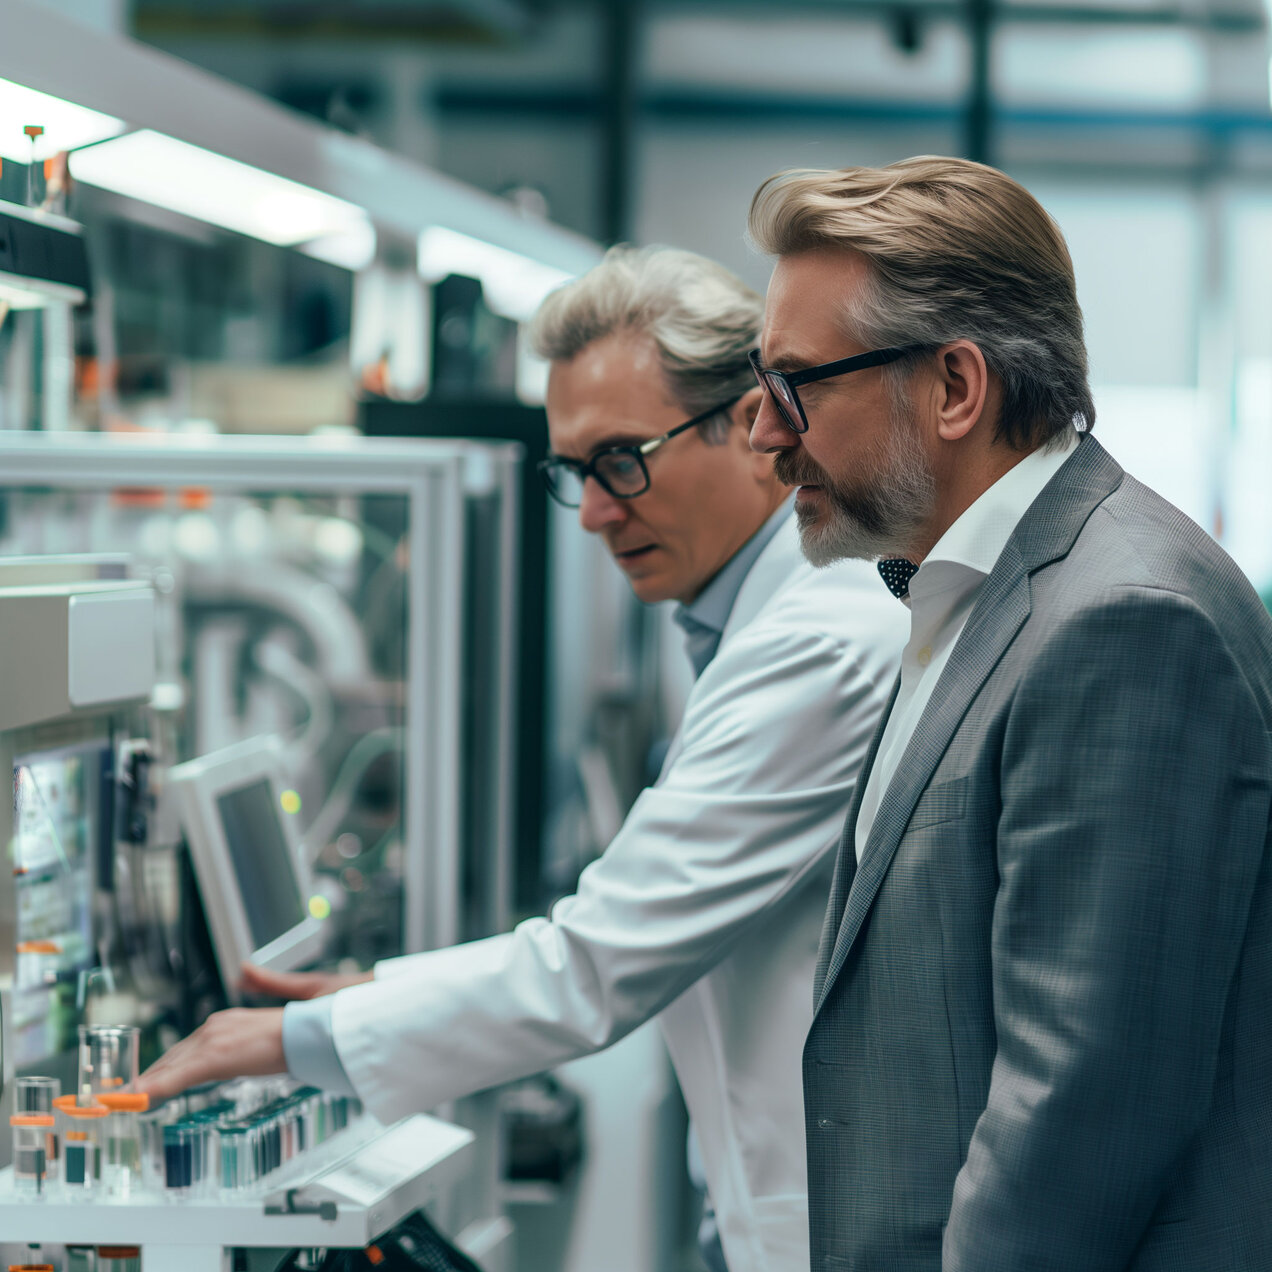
{"type": "Point", "coordinates": [942, 593]}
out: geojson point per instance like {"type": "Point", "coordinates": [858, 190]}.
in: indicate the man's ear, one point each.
{"type": "Point", "coordinates": [962, 389]}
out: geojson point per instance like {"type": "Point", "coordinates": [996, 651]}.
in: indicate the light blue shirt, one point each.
{"type": "Point", "coordinates": [308, 1041]}
{"type": "Point", "coordinates": [310, 1048]}
{"type": "Point", "coordinates": [705, 618]}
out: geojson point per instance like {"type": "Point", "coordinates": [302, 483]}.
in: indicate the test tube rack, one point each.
{"type": "Point", "coordinates": [343, 1195]}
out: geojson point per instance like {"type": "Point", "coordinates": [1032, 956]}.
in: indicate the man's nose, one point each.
{"type": "Point", "coordinates": [768, 433]}
{"type": "Point", "coordinates": [598, 507]}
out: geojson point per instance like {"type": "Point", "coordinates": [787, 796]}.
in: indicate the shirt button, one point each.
{"type": "Point", "coordinates": [925, 655]}
{"type": "Point", "coordinates": [825, 1123]}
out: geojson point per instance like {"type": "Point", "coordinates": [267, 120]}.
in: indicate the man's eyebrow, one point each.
{"type": "Point", "coordinates": [786, 360]}
{"type": "Point", "coordinates": [618, 439]}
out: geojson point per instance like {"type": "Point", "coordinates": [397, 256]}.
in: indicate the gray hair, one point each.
{"type": "Point", "coordinates": [702, 319]}
{"type": "Point", "coordinates": [956, 250]}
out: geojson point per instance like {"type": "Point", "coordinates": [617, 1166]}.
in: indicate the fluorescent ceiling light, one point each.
{"type": "Point", "coordinates": [209, 187]}
{"type": "Point", "coordinates": [66, 126]}
{"type": "Point", "coordinates": [353, 248]}
{"type": "Point", "coordinates": [513, 285]}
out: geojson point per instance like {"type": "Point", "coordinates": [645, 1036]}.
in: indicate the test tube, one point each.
{"type": "Point", "coordinates": [178, 1157]}
{"type": "Point", "coordinates": [189, 1160]}
{"type": "Point", "coordinates": [272, 1133]}
{"type": "Point", "coordinates": [154, 1167]}
{"type": "Point", "coordinates": [205, 1170]}
{"type": "Point", "coordinates": [33, 1097]}
{"type": "Point", "coordinates": [236, 1157]}
{"type": "Point", "coordinates": [109, 1059]}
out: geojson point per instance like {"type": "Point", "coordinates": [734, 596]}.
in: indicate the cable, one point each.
{"type": "Point", "coordinates": [362, 754]}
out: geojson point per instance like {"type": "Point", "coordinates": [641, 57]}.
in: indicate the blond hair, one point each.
{"type": "Point", "coordinates": [702, 320]}
{"type": "Point", "coordinates": [956, 251]}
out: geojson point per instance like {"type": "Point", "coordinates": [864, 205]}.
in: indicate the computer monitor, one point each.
{"type": "Point", "coordinates": [255, 885]}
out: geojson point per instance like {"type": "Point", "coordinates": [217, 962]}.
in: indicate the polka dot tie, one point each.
{"type": "Point", "coordinates": [897, 573]}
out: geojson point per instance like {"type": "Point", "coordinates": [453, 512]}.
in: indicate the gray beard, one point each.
{"type": "Point", "coordinates": [870, 522]}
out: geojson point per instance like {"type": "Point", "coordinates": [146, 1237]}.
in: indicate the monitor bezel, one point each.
{"type": "Point", "coordinates": [196, 786]}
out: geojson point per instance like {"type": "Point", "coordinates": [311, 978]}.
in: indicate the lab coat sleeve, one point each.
{"type": "Point", "coordinates": [310, 1049]}
{"type": "Point", "coordinates": [750, 801]}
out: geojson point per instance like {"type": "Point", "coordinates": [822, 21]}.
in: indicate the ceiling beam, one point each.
{"type": "Point", "coordinates": [1230, 18]}
{"type": "Point", "coordinates": [436, 21]}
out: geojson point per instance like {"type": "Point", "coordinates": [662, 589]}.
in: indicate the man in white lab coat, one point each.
{"type": "Point", "coordinates": [706, 908]}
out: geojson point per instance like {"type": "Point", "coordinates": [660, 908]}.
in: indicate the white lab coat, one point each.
{"type": "Point", "coordinates": [705, 908]}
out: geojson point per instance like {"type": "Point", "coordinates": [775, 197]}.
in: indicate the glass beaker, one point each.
{"type": "Point", "coordinates": [109, 1059]}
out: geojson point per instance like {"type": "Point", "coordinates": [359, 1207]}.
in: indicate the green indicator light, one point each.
{"type": "Point", "coordinates": [319, 907]}
{"type": "Point", "coordinates": [290, 801]}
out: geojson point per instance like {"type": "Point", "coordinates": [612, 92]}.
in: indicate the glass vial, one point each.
{"type": "Point", "coordinates": [121, 1136]}
{"type": "Point", "coordinates": [34, 1097]}
{"type": "Point", "coordinates": [81, 1145]}
{"type": "Point", "coordinates": [118, 1259]}
{"type": "Point", "coordinates": [31, 1133]}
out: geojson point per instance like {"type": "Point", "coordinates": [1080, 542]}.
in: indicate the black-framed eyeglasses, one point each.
{"type": "Point", "coordinates": [620, 470]}
{"type": "Point", "coordinates": [782, 385]}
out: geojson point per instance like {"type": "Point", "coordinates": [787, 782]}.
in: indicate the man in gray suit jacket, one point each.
{"type": "Point", "coordinates": [1043, 1030]}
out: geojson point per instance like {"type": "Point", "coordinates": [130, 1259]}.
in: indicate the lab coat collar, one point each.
{"type": "Point", "coordinates": [711, 608]}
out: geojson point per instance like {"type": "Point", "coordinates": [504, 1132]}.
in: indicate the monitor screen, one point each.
{"type": "Point", "coordinates": [265, 872]}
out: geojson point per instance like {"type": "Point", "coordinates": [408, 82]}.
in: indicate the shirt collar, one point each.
{"type": "Point", "coordinates": [711, 608]}
{"type": "Point", "coordinates": [976, 540]}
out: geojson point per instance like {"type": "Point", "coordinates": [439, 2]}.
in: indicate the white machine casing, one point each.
{"type": "Point", "coordinates": [85, 645]}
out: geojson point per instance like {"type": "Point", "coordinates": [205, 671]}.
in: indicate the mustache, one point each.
{"type": "Point", "coordinates": [793, 468]}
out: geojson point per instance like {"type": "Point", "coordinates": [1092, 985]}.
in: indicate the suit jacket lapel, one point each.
{"type": "Point", "coordinates": [1046, 532]}
{"type": "Point", "coordinates": [846, 861]}
{"type": "Point", "coordinates": [1003, 606]}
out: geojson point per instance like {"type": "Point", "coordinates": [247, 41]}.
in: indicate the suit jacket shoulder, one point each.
{"type": "Point", "coordinates": [1135, 539]}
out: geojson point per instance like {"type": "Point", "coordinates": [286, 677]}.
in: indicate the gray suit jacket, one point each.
{"type": "Point", "coordinates": [1043, 1037]}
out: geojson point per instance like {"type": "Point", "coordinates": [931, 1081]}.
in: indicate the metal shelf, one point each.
{"type": "Point", "coordinates": [374, 1177]}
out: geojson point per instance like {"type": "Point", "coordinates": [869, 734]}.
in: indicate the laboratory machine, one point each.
{"type": "Point", "coordinates": [322, 676]}
{"type": "Point", "coordinates": [317, 591]}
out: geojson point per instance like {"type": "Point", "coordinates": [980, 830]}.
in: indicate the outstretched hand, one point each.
{"type": "Point", "coordinates": [296, 985]}
{"type": "Point", "coordinates": [244, 1041]}
{"type": "Point", "coordinates": [241, 1042]}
